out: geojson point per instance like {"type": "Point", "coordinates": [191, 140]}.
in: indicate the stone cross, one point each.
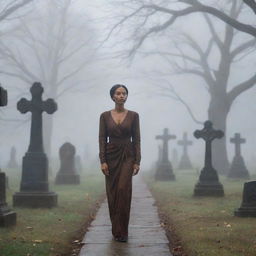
{"type": "Point", "coordinates": [237, 140]}
{"type": "Point", "coordinates": [34, 187]}
{"type": "Point", "coordinates": [185, 143]}
{"type": "Point", "coordinates": [208, 134]}
{"type": "Point", "coordinates": [36, 106]}
{"type": "Point", "coordinates": [165, 137]}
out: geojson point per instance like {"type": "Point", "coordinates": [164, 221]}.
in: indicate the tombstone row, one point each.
{"type": "Point", "coordinates": [208, 183]}
{"type": "Point", "coordinates": [237, 167]}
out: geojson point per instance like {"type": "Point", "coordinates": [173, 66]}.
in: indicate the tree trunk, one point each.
{"type": "Point", "coordinates": [217, 114]}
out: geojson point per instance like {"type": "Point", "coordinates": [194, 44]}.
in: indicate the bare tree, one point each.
{"type": "Point", "coordinates": [52, 46]}
{"type": "Point", "coordinates": [8, 7]}
{"type": "Point", "coordinates": [216, 78]}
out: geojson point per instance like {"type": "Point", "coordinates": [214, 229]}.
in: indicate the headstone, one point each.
{"type": "Point", "coordinates": [238, 168]}
{"type": "Point", "coordinates": [208, 184]}
{"type": "Point", "coordinates": [7, 216]}
{"type": "Point", "coordinates": [78, 164]}
{"type": "Point", "coordinates": [185, 162]}
{"type": "Point", "coordinates": [67, 173]}
{"type": "Point", "coordinates": [175, 158]}
{"type": "Point", "coordinates": [34, 188]}
{"type": "Point", "coordinates": [164, 169]}
{"type": "Point", "coordinates": [12, 162]}
{"type": "Point", "coordinates": [248, 206]}
{"type": "Point", "coordinates": [3, 97]}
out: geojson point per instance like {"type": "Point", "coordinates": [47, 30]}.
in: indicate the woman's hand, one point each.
{"type": "Point", "coordinates": [136, 169]}
{"type": "Point", "coordinates": [104, 169]}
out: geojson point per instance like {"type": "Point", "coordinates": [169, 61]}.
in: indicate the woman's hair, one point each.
{"type": "Point", "coordinates": [116, 86]}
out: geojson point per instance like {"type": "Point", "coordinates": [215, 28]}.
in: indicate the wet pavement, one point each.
{"type": "Point", "coordinates": [146, 236]}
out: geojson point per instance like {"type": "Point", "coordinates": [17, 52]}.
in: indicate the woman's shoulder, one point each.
{"type": "Point", "coordinates": [133, 113]}
{"type": "Point", "coordinates": [105, 113]}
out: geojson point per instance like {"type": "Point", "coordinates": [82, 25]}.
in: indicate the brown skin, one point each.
{"type": "Point", "coordinates": [118, 114]}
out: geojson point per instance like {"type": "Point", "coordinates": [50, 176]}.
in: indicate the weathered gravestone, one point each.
{"type": "Point", "coordinates": [164, 169]}
{"type": "Point", "coordinates": [67, 173]}
{"type": "Point", "coordinates": [208, 184]}
{"type": "Point", "coordinates": [248, 206]}
{"type": "Point", "coordinates": [3, 97]}
{"type": "Point", "coordinates": [185, 162]}
{"type": "Point", "coordinates": [34, 188]}
{"type": "Point", "coordinates": [175, 158]}
{"type": "Point", "coordinates": [12, 162]}
{"type": "Point", "coordinates": [238, 168]}
{"type": "Point", "coordinates": [7, 216]}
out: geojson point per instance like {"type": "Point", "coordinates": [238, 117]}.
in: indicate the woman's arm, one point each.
{"type": "Point", "coordinates": [102, 139]}
{"type": "Point", "coordinates": [136, 139]}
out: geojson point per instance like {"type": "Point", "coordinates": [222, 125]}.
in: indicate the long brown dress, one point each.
{"type": "Point", "coordinates": [119, 146]}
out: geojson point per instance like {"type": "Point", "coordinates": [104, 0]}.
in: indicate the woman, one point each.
{"type": "Point", "coordinates": [119, 143]}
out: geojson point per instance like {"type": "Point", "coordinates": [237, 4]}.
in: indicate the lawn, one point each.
{"type": "Point", "coordinates": [203, 226]}
{"type": "Point", "coordinates": [56, 231]}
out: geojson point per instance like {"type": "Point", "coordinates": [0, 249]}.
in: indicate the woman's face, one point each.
{"type": "Point", "coordinates": [120, 95]}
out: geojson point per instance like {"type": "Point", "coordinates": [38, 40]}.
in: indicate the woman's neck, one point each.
{"type": "Point", "coordinates": [119, 108]}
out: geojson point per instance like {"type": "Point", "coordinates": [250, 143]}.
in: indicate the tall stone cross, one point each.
{"type": "Point", "coordinates": [208, 134]}
{"type": "Point", "coordinates": [237, 140]}
{"type": "Point", "coordinates": [165, 137]}
{"type": "Point", "coordinates": [185, 143]}
{"type": "Point", "coordinates": [34, 187]}
{"type": "Point", "coordinates": [36, 106]}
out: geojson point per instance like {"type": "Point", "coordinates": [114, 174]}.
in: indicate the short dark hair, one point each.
{"type": "Point", "coordinates": [116, 86]}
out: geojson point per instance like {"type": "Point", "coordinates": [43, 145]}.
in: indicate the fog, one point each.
{"type": "Point", "coordinates": [79, 107]}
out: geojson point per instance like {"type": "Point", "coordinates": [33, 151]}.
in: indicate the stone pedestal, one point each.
{"type": "Point", "coordinates": [34, 188]}
{"type": "Point", "coordinates": [35, 199]}
{"type": "Point", "coordinates": [248, 206]}
{"type": "Point", "coordinates": [7, 216]}
{"type": "Point", "coordinates": [208, 184]}
{"type": "Point", "coordinates": [164, 172]}
{"type": "Point", "coordinates": [238, 168]}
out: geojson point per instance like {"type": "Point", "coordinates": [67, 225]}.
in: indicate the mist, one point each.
{"type": "Point", "coordinates": [105, 61]}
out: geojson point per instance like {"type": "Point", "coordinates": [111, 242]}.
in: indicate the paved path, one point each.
{"type": "Point", "coordinates": [146, 236]}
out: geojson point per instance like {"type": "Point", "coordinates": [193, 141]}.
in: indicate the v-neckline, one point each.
{"type": "Point", "coordinates": [114, 119]}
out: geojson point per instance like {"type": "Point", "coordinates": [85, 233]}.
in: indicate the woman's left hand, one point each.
{"type": "Point", "coordinates": [136, 169]}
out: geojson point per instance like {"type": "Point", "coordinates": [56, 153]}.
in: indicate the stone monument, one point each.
{"type": "Point", "coordinates": [67, 173]}
{"type": "Point", "coordinates": [185, 162]}
{"type": "Point", "coordinates": [34, 188]}
{"type": "Point", "coordinates": [175, 158]}
{"type": "Point", "coordinates": [238, 168]}
{"type": "Point", "coordinates": [12, 162]}
{"type": "Point", "coordinates": [3, 97]}
{"type": "Point", "coordinates": [248, 206]}
{"type": "Point", "coordinates": [7, 216]}
{"type": "Point", "coordinates": [164, 169]}
{"type": "Point", "coordinates": [208, 184]}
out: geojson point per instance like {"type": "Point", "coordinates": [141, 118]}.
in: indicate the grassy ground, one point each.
{"type": "Point", "coordinates": [204, 226]}
{"type": "Point", "coordinates": [56, 231]}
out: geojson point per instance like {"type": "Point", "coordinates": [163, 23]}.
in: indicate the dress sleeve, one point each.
{"type": "Point", "coordinates": [102, 139]}
{"type": "Point", "coordinates": [136, 138]}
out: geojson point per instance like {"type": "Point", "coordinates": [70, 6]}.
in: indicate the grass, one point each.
{"type": "Point", "coordinates": [203, 226]}
{"type": "Point", "coordinates": [56, 231]}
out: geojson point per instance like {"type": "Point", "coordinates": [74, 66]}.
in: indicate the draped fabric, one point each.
{"type": "Point", "coordinates": [119, 146]}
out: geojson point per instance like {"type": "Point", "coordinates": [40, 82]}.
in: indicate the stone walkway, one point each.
{"type": "Point", "coordinates": [146, 236]}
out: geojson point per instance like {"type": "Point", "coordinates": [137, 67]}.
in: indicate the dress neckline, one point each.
{"type": "Point", "coordinates": [114, 119]}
